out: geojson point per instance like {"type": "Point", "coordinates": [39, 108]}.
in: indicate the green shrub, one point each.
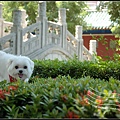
{"type": "Point", "coordinates": [61, 97]}
{"type": "Point", "coordinates": [77, 69]}
{"type": "Point", "coordinates": [64, 89]}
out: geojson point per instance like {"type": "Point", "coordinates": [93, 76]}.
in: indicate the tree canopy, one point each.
{"type": "Point", "coordinates": [113, 8]}
{"type": "Point", "coordinates": [75, 11]}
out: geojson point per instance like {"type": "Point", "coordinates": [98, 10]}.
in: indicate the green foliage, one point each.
{"type": "Point", "coordinates": [113, 8]}
{"type": "Point", "coordinates": [30, 7]}
{"type": "Point", "coordinates": [52, 12]}
{"type": "Point", "coordinates": [116, 31]}
{"type": "Point", "coordinates": [75, 11]}
{"type": "Point", "coordinates": [31, 10]}
{"type": "Point", "coordinates": [62, 97]}
{"type": "Point", "coordinates": [112, 44]}
{"type": "Point", "coordinates": [64, 89]}
{"type": "Point", "coordinates": [77, 69]}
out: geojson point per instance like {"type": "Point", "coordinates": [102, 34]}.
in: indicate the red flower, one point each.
{"type": "Point", "coordinates": [84, 101]}
{"type": "Point", "coordinates": [89, 93]}
{"type": "Point", "coordinates": [2, 93]}
{"type": "Point", "coordinates": [12, 88]}
{"type": "Point", "coordinates": [99, 101]}
{"type": "Point", "coordinates": [71, 114]}
{"type": "Point", "coordinates": [99, 97]}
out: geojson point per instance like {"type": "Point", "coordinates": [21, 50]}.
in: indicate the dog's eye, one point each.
{"type": "Point", "coordinates": [16, 67]}
{"type": "Point", "coordinates": [25, 67]}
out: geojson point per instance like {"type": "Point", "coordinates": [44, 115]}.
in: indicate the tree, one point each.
{"type": "Point", "coordinates": [75, 11]}
{"type": "Point", "coordinates": [113, 8]}
{"type": "Point", "coordinates": [30, 7]}
{"type": "Point", "coordinates": [52, 11]}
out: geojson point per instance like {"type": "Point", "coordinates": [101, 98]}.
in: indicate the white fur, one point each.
{"type": "Point", "coordinates": [12, 65]}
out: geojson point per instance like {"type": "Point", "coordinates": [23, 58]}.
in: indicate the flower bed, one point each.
{"type": "Point", "coordinates": [60, 97]}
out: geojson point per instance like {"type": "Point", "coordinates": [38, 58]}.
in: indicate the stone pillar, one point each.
{"type": "Point", "coordinates": [78, 32]}
{"type": "Point", "coordinates": [62, 20]}
{"type": "Point", "coordinates": [1, 10]}
{"type": "Point", "coordinates": [78, 36]}
{"type": "Point", "coordinates": [93, 45]}
{"type": "Point", "coordinates": [17, 26]}
{"type": "Point", "coordinates": [92, 48]}
{"type": "Point", "coordinates": [41, 10]}
{"type": "Point", "coordinates": [1, 21]}
{"type": "Point", "coordinates": [62, 15]}
{"type": "Point", "coordinates": [43, 19]}
{"type": "Point", "coordinates": [24, 22]}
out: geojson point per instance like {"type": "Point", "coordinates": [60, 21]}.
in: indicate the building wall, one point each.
{"type": "Point", "coordinates": [105, 48]}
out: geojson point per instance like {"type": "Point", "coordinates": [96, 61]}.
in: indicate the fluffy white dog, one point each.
{"type": "Point", "coordinates": [13, 67]}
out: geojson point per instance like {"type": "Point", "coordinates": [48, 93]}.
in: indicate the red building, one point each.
{"type": "Point", "coordinates": [106, 47]}
{"type": "Point", "coordinates": [101, 31]}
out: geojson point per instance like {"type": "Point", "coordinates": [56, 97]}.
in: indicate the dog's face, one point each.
{"type": "Point", "coordinates": [20, 67]}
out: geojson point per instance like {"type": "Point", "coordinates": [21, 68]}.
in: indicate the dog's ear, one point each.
{"type": "Point", "coordinates": [9, 62]}
{"type": "Point", "coordinates": [31, 64]}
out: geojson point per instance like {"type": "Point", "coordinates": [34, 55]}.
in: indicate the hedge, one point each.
{"type": "Point", "coordinates": [64, 89]}
{"type": "Point", "coordinates": [62, 97]}
{"type": "Point", "coordinates": [77, 69]}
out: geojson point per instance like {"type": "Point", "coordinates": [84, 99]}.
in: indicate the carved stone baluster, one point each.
{"type": "Point", "coordinates": [79, 42]}
{"type": "Point", "coordinates": [62, 20]}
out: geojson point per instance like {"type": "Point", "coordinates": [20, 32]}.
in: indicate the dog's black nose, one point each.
{"type": "Point", "coordinates": [20, 71]}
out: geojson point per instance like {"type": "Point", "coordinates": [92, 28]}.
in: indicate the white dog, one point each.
{"type": "Point", "coordinates": [13, 67]}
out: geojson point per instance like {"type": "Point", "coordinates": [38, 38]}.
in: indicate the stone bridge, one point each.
{"type": "Point", "coordinates": [51, 40]}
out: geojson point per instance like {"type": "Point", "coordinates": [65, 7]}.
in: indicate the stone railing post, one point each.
{"type": "Point", "coordinates": [78, 36]}
{"type": "Point", "coordinates": [1, 10]}
{"type": "Point", "coordinates": [1, 21]}
{"type": "Point", "coordinates": [92, 48]}
{"type": "Point", "coordinates": [62, 20]}
{"type": "Point", "coordinates": [42, 17]}
{"type": "Point", "coordinates": [23, 21]}
{"type": "Point", "coordinates": [18, 23]}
